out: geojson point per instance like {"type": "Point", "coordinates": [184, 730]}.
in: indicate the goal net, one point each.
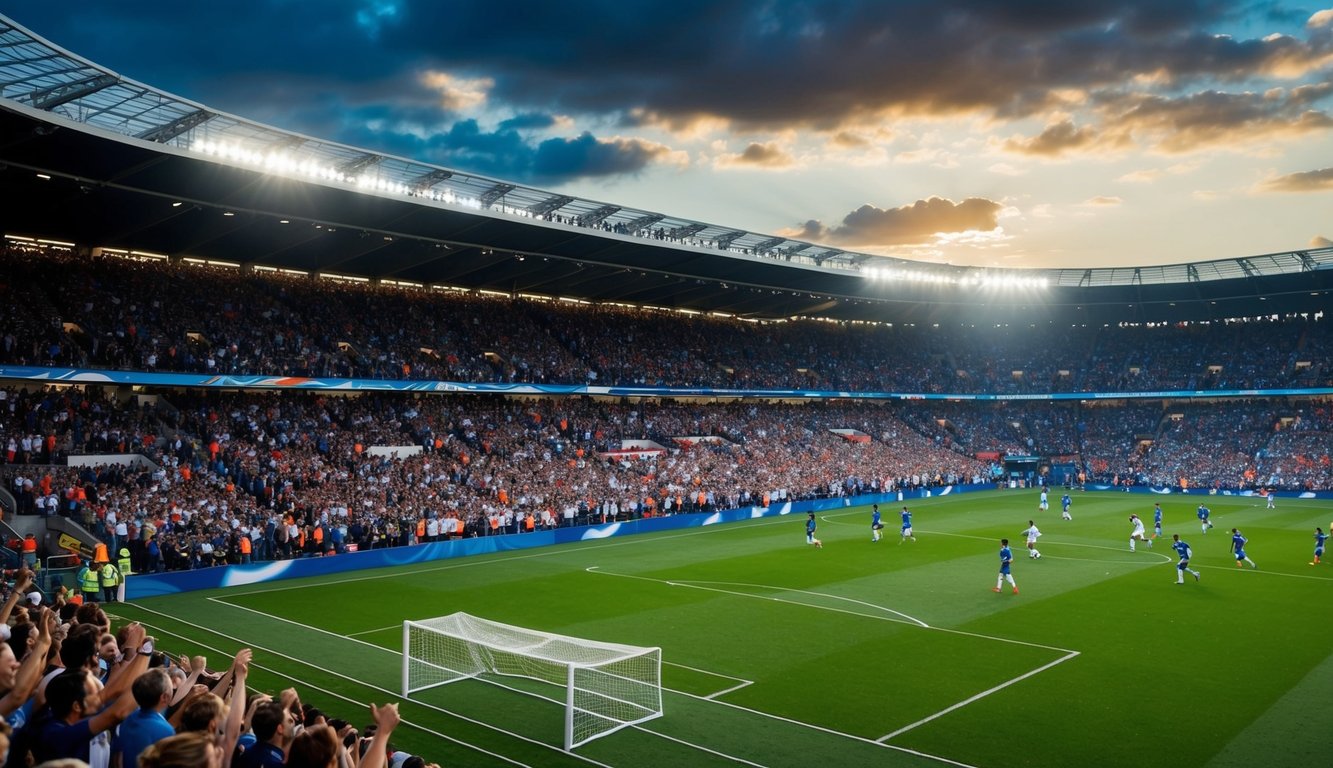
{"type": "Point", "coordinates": [606, 686]}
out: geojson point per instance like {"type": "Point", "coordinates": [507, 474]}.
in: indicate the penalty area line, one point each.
{"type": "Point", "coordinates": [977, 697]}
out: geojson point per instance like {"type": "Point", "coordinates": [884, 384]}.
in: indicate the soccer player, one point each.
{"type": "Point", "coordinates": [1271, 495]}
{"type": "Point", "coordinates": [810, 532]}
{"type": "Point", "coordinates": [1238, 543]}
{"type": "Point", "coordinates": [1044, 504]}
{"type": "Point", "coordinates": [875, 525]}
{"type": "Point", "coordinates": [1157, 521]}
{"type": "Point", "coordinates": [906, 532]}
{"type": "Point", "coordinates": [1183, 565]}
{"type": "Point", "coordinates": [1319, 538]}
{"type": "Point", "coordinates": [1204, 514]}
{"type": "Point", "coordinates": [1138, 534]}
{"type": "Point", "coordinates": [1006, 560]}
{"type": "Point", "coordinates": [1065, 502]}
{"type": "Point", "coordinates": [1032, 535]}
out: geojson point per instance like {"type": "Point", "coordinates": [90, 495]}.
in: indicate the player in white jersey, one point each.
{"type": "Point", "coordinates": [1032, 535]}
{"type": "Point", "coordinates": [1138, 534]}
{"type": "Point", "coordinates": [1044, 504]}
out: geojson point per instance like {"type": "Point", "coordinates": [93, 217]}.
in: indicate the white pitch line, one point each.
{"type": "Point", "coordinates": [977, 697]}
{"type": "Point", "coordinates": [398, 627]}
{"type": "Point", "coordinates": [700, 584]}
{"type": "Point", "coordinates": [725, 691]}
{"type": "Point", "coordinates": [706, 671]}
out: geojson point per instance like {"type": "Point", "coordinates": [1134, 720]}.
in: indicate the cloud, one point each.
{"type": "Point", "coordinates": [1054, 140]}
{"type": "Point", "coordinates": [1318, 241]}
{"type": "Point", "coordinates": [509, 153]}
{"type": "Point", "coordinates": [1320, 180]}
{"type": "Point", "coordinates": [761, 155]}
{"type": "Point", "coordinates": [558, 160]}
{"type": "Point", "coordinates": [458, 94]}
{"type": "Point", "coordinates": [913, 224]}
{"type": "Point", "coordinates": [1212, 118]}
{"type": "Point", "coordinates": [1103, 201]}
{"type": "Point", "coordinates": [772, 65]}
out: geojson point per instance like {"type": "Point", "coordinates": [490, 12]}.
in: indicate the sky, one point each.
{"type": "Point", "coordinates": [1005, 133]}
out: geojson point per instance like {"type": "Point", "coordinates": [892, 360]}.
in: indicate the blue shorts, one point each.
{"type": "Point", "coordinates": [1240, 554]}
{"type": "Point", "coordinates": [1183, 565]}
{"type": "Point", "coordinates": [1004, 570]}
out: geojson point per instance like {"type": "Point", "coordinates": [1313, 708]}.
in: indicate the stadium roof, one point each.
{"type": "Point", "coordinates": [106, 161]}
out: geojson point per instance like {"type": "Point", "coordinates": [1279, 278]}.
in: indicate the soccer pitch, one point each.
{"type": "Point", "coordinates": [886, 654]}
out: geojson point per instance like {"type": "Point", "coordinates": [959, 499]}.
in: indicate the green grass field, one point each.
{"type": "Point", "coordinates": [885, 654]}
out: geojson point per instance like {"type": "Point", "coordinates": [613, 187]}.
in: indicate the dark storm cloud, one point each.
{"type": "Point", "coordinates": [906, 225]}
{"type": "Point", "coordinates": [821, 64]}
{"type": "Point", "coordinates": [506, 153]}
{"type": "Point", "coordinates": [758, 64]}
{"type": "Point", "coordinates": [315, 67]}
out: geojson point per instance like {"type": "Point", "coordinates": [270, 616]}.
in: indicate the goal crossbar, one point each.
{"type": "Point", "coordinates": [606, 686]}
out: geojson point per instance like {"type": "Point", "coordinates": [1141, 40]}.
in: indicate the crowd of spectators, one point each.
{"type": "Point", "coordinates": [109, 311]}
{"type": "Point", "coordinates": [77, 691]}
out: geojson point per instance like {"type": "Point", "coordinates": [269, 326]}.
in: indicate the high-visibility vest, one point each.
{"type": "Point", "coordinates": [245, 545]}
{"type": "Point", "coordinates": [88, 582]}
{"type": "Point", "coordinates": [124, 566]}
{"type": "Point", "coordinates": [109, 575]}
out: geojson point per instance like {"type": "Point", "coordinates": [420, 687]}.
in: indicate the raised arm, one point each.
{"type": "Point", "coordinates": [231, 731]}
{"type": "Point", "coordinates": [386, 719]}
{"type": "Point", "coordinates": [22, 582]}
{"type": "Point", "coordinates": [30, 670]}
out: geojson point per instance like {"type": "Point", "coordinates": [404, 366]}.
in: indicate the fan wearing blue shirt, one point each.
{"type": "Point", "coordinates": [1183, 550]}
{"type": "Point", "coordinates": [152, 692]}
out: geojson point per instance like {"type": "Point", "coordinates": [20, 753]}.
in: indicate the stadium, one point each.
{"type": "Point", "coordinates": [538, 469]}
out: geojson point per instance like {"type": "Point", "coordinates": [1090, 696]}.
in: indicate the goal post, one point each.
{"type": "Point", "coordinates": [606, 686]}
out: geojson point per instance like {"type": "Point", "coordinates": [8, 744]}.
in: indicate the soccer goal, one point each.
{"type": "Point", "coordinates": [606, 686]}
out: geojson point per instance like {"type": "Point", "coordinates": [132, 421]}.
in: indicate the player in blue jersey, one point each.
{"type": "Point", "coordinates": [1065, 503]}
{"type": "Point", "coordinates": [1006, 560]}
{"type": "Point", "coordinates": [1183, 550]}
{"type": "Point", "coordinates": [1238, 543]}
{"type": "Point", "coordinates": [875, 525]}
{"type": "Point", "coordinates": [906, 532]}
{"type": "Point", "coordinates": [1157, 521]}
{"type": "Point", "coordinates": [810, 532]}
{"type": "Point", "coordinates": [1319, 538]}
{"type": "Point", "coordinates": [1205, 518]}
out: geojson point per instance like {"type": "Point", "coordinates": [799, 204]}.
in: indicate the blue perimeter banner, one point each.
{"type": "Point", "coordinates": [140, 586]}
{"type": "Point", "coordinates": [94, 376]}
